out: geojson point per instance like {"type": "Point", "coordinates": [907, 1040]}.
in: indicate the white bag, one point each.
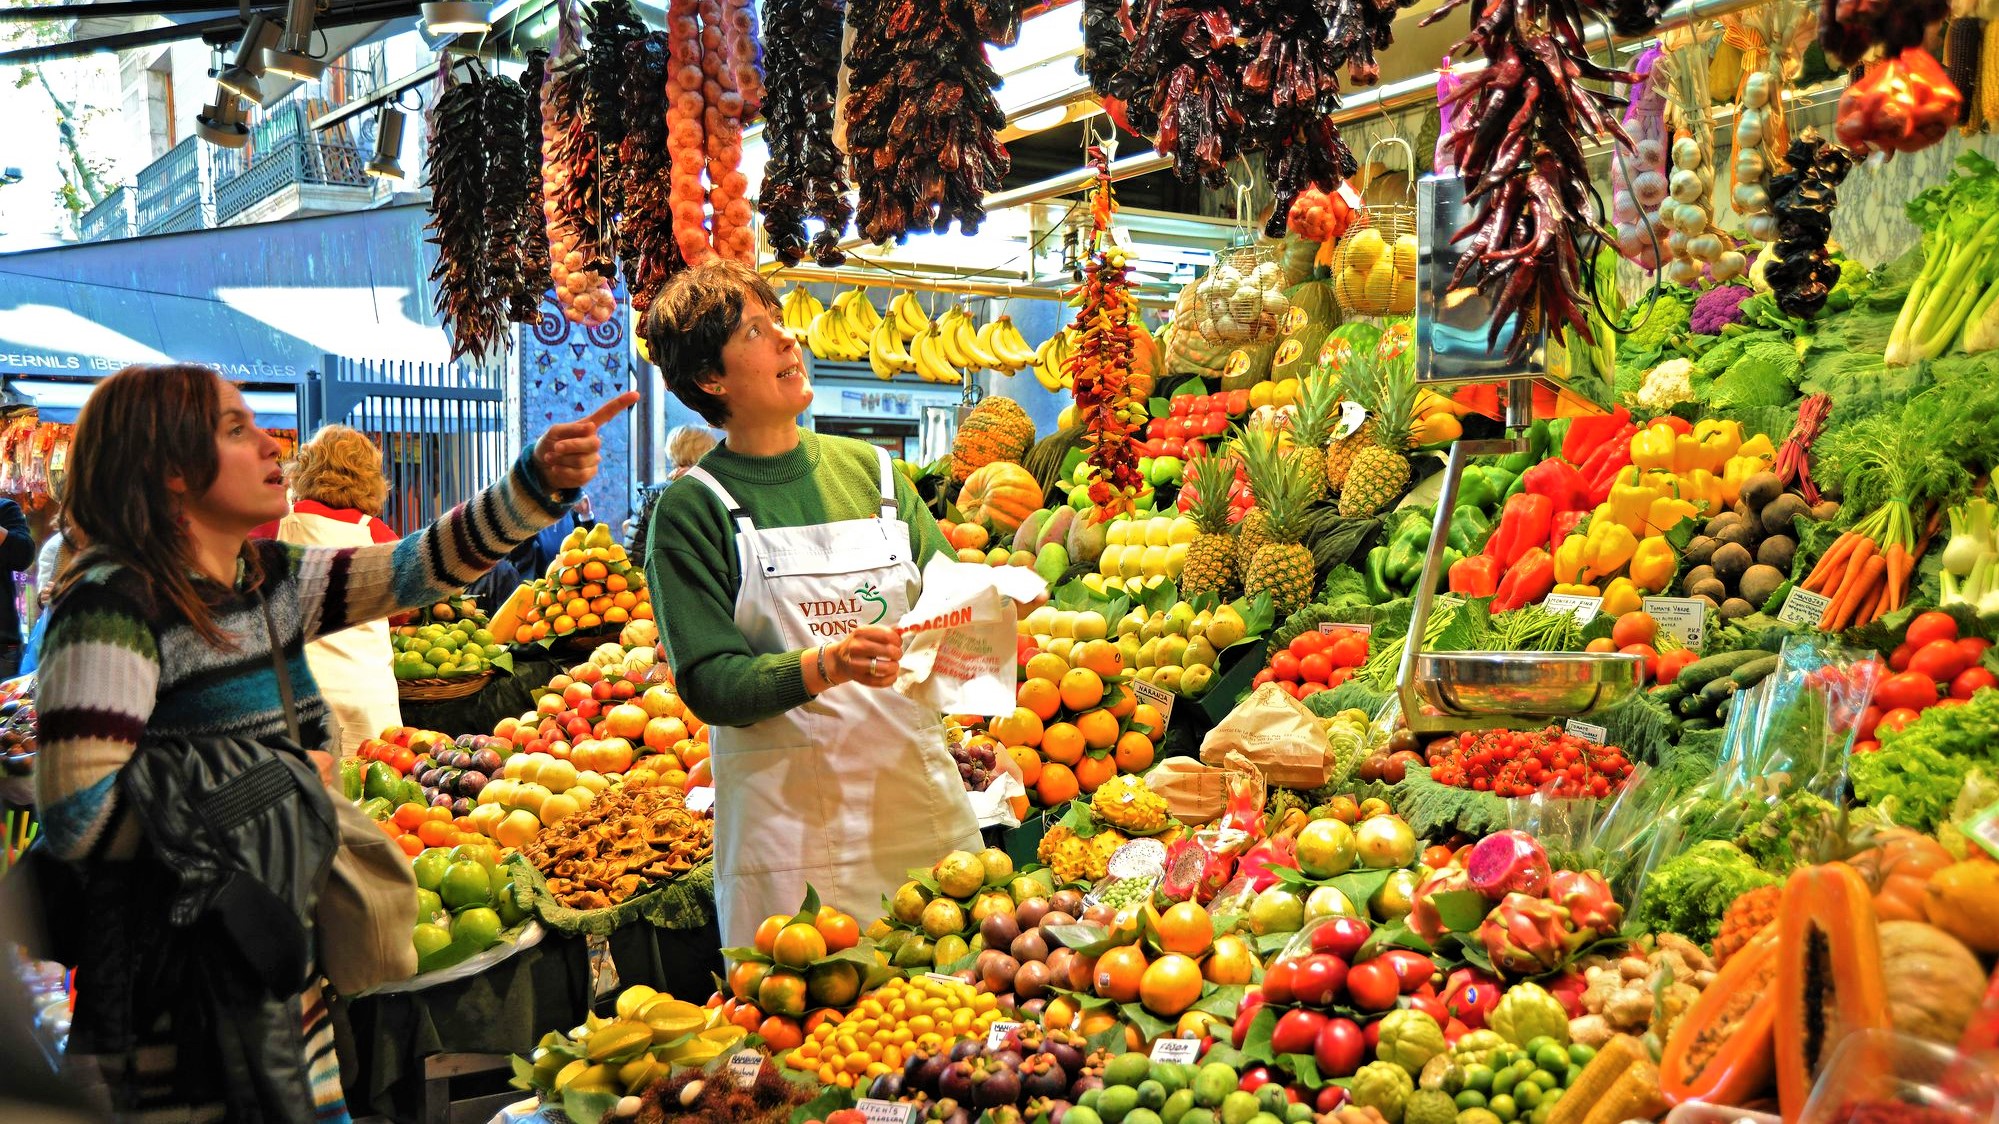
{"type": "Point", "coordinates": [958, 641]}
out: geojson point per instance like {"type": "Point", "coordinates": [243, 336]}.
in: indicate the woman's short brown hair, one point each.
{"type": "Point", "coordinates": [690, 320]}
{"type": "Point", "coordinates": [340, 467]}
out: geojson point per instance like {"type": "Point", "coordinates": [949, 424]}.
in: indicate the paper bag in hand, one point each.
{"type": "Point", "coordinates": [1285, 741]}
{"type": "Point", "coordinates": [958, 642]}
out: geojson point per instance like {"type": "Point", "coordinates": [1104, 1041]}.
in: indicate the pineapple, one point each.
{"type": "Point", "coordinates": [1283, 566]}
{"type": "Point", "coordinates": [1312, 421]}
{"type": "Point", "coordinates": [1211, 563]}
{"type": "Point", "coordinates": [1259, 458]}
{"type": "Point", "coordinates": [1380, 470]}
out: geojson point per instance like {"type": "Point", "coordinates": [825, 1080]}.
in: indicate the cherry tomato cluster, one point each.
{"type": "Point", "coordinates": [1932, 666]}
{"type": "Point", "coordinates": [1523, 762]}
{"type": "Point", "coordinates": [1315, 661]}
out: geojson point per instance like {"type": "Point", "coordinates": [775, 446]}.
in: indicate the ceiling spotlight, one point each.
{"type": "Point", "coordinates": [240, 76]}
{"type": "Point", "coordinates": [292, 57]}
{"type": "Point", "coordinates": [221, 123]}
{"type": "Point", "coordinates": [456, 17]}
{"type": "Point", "coordinates": [387, 163]}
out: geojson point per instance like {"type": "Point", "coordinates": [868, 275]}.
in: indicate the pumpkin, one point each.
{"type": "Point", "coordinates": [1898, 867]}
{"type": "Point", "coordinates": [1828, 953]}
{"type": "Point", "coordinates": [1926, 971]}
{"type": "Point", "coordinates": [1962, 899]}
{"type": "Point", "coordinates": [996, 430]}
{"type": "Point", "coordinates": [1738, 1069]}
{"type": "Point", "coordinates": [999, 495]}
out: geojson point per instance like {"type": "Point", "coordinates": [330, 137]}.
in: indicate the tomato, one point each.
{"type": "Point", "coordinates": [1307, 643]}
{"type": "Point", "coordinates": [1869, 718]}
{"type": "Point", "coordinates": [1310, 689]}
{"type": "Point", "coordinates": [1973, 649]}
{"type": "Point", "coordinates": [1895, 719]}
{"type": "Point", "coordinates": [1971, 679]}
{"type": "Point", "coordinates": [1284, 665]}
{"type": "Point", "coordinates": [403, 761]}
{"type": "Point", "coordinates": [1349, 649]}
{"type": "Point", "coordinates": [1316, 668]}
{"type": "Point", "coordinates": [1930, 626]}
{"type": "Point", "coordinates": [1671, 663]}
{"type": "Point", "coordinates": [1909, 690]}
{"type": "Point", "coordinates": [1898, 660]}
{"type": "Point", "coordinates": [1372, 985]}
{"type": "Point", "coordinates": [1262, 677]}
{"type": "Point", "coordinates": [1947, 701]}
{"type": "Point", "coordinates": [1291, 688]}
{"type": "Point", "coordinates": [1651, 657]}
{"type": "Point", "coordinates": [1941, 660]}
{"type": "Point", "coordinates": [1339, 676]}
{"type": "Point", "coordinates": [1868, 746]}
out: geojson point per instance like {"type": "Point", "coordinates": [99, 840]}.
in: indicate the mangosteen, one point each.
{"type": "Point", "coordinates": [1029, 912]}
{"type": "Point", "coordinates": [1005, 1114]}
{"type": "Point", "coordinates": [1042, 1076]}
{"type": "Point", "coordinates": [1084, 1084]}
{"type": "Point", "coordinates": [1030, 947]}
{"type": "Point", "coordinates": [1000, 1087]}
{"type": "Point", "coordinates": [1031, 981]}
{"type": "Point", "coordinates": [1058, 1111]}
{"type": "Point", "coordinates": [964, 1051]}
{"type": "Point", "coordinates": [1007, 1057]}
{"type": "Point", "coordinates": [1068, 902]}
{"type": "Point", "coordinates": [887, 1087]}
{"type": "Point", "coordinates": [931, 1076]}
{"type": "Point", "coordinates": [1007, 1002]}
{"type": "Point", "coordinates": [959, 1114]}
{"type": "Point", "coordinates": [912, 1073]}
{"type": "Point", "coordinates": [956, 1084]}
{"type": "Point", "coordinates": [999, 929]}
{"type": "Point", "coordinates": [1066, 1050]}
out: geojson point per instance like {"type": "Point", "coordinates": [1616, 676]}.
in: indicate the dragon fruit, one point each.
{"type": "Point", "coordinates": [1568, 988]}
{"type": "Point", "coordinates": [1508, 862]}
{"type": "Point", "coordinates": [1194, 873]}
{"type": "Point", "coordinates": [1470, 995]}
{"type": "Point", "coordinates": [1423, 918]}
{"type": "Point", "coordinates": [1588, 899]}
{"type": "Point", "coordinates": [1528, 936]}
{"type": "Point", "coordinates": [1255, 866]}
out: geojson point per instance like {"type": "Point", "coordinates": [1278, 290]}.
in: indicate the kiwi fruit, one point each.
{"type": "Point", "coordinates": [1731, 560]}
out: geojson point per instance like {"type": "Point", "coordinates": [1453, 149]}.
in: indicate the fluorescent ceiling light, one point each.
{"type": "Point", "coordinates": [456, 17]}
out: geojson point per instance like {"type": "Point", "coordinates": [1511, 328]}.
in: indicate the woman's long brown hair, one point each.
{"type": "Point", "coordinates": [140, 428]}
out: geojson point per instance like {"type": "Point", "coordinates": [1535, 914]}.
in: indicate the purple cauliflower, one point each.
{"type": "Point", "coordinates": [1717, 309]}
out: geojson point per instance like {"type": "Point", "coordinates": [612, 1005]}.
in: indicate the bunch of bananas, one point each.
{"type": "Point", "coordinates": [842, 331]}
{"type": "Point", "coordinates": [797, 308]}
{"type": "Point", "coordinates": [1051, 361]}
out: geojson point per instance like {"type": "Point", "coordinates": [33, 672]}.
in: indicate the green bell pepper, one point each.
{"type": "Point", "coordinates": [1476, 488]}
{"type": "Point", "coordinates": [1406, 550]}
{"type": "Point", "coordinates": [1539, 438]}
{"type": "Point", "coordinates": [1374, 577]}
{"type": "Point", "coordinates": [350, 778]}
{"type": "Point", "coordinates": [1452, 556]}
{"type": "Point", "coordinates": [378, 809]}
{"type": "Point", "coordinates": [1469, 529]}
{"type": "Point", "coordinates": [382, 781]}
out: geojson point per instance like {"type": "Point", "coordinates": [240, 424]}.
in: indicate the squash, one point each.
{"type": "Point", "coordinates": [1738, 1070]}
{"type": "Point", "coordinates": [996, 430]}
{"type": "Point", "coordinates": [1963, 900]}
{"type": "Point", "coordinates": [1000, 495]}
{"type": "Point", "coordinates": [1925, 971]}
{"type": "Point", "coordinates": [1827, 938]}
{"type": "Point", "coordinates": [1899, 867]}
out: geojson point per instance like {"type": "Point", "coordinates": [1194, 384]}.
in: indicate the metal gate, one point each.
{"type": "Point", "coordinates": [442, 429]}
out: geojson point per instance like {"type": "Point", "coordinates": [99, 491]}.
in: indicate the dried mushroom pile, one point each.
{"type": "Point", "coordinates": [622, 844]}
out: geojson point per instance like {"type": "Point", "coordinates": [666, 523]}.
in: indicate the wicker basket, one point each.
{"type": "Point", "coordinates": [441, 690]}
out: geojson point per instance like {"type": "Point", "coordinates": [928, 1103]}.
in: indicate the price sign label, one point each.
{"type": "Point", "coordinates": [1984, 830]}
{"type": "Point", "coordinates": [1587, 731]}
{"type": "Point", "coordinates": [1289, 351]}
{"type": "Point", "coordinates": [1682, 618]}
{"type": "Point", "coordinates": [1293, 320]}
{"type": "Point", "coordinates": [1237, 364]}
{"type": "Point", "coordinates": [1180, 1051]}
{"type": "Point", "coordinates": [1335, 628]}
{"type": "Point", "coordinates": [1121, 238]}
{"type": "Point", "coordinates": [877, 1111]}
{"type": "Point", "coordinates": [1160, 698]}
{"type": "Point", "coordinates": [942, 978]}
{"type": "Point", "coordinates": [59, 457]}
{"type": "Point", "coordinates": [701, 799]}
{"type": "Point", "coordinates": [996, 1037]}
{"type": "Point", "coordinates": [744, 1065]}
{"type": "Point", "coordinates": [1584, 609]}
{"type": "Point", "coordinates": [1804, 607]}
{"type": "Point", "coordinates": [1352, 414]}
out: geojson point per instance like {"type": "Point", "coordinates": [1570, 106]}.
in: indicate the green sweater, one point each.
{"type": "Point", "coordinates": [692, 570]}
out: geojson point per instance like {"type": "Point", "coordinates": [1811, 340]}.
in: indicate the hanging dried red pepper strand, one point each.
{"type": "Point", "coordinates": [1101, 363]}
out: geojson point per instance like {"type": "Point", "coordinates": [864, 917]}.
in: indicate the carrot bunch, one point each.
{"type": "Point", "coordinates": [1866, 571]}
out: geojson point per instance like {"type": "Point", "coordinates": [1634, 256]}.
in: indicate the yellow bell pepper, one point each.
{"type": "Point", "coordinates": [1572, 589]}
{"type": "Point", "coordinates": [1628, 506]}
{"type": "Point", "coordinates": [1668, 510]}
{"type": "Point", "coordinates": [1704, 489]}
{"type": "Point", "coordinates": [1652, 564]}
{"type": "Point", "coordinates": [1622, 596]}
{"type": "Point", "coordinates": [1758, 446]}
{"type": "Point", "coordinates": [1608, 547]}
{"type": "Point", "coordinates": [1717, 440]}
{"type": "Point", "coordinates": [1741, 467]}
{"type": "Point", "coordinates": [1569, 559]}
{"type": "Point", "coordinates": [1653, 447]}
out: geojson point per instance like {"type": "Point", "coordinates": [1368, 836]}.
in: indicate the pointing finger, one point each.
{"type": "Point", "coordinates": [612, 408]}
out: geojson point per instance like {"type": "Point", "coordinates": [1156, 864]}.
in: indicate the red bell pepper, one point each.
{"type": "Point", "coordinates": [1475, 576]}
{"type": "Point", "coordinates": [1558, 480]}
{"type": "Point", "coordinates": [1523, 525]}
{"type": "Point", "coordinates": [1600, 471]}
{"type": "Point", "coordinates": [1674, 422]}
{"type": "Point", "coordinates": [1527, 581]}
{"type": "Point", "coordinates": [1563, 525]}
{"type": "Point", "coordinates": [1587, 435]}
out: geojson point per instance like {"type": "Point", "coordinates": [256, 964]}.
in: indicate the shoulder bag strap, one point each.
{"type": "Point", "coordinates": [284, 673]}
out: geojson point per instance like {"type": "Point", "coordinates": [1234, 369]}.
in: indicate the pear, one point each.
{"type": "Point", "coordinates": [1155, 627]}
{"type": "Point", "coordinates": [1200, 653]}
{"type": "Point", "coordinates": [1196, 679]}
{"type": "Point", "coordinates": [1090, 625]}
{"type": "Point", "coordinates": [1172, 651]}
{"type": "Point", "coordinates": [1128, 647]}
{"type": "Point", "coordinates": [1065, 623]}
{"type": "Point", "coordinates": [1167, 679]}
{"type": "Point", "coordinates": [1148, 654]}
{"type": "Point", "coordinates": [1132, 623]}
{"type": "Point", "coordinates": [1179, 620]}
{"type": "Point", "coordinates": [1227, 628]}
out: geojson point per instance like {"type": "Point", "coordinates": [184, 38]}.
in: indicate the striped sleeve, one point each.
{"type": "Point", "coordinates": [97, 638]}
{"type": "Point", "coordinates": [342, 587]}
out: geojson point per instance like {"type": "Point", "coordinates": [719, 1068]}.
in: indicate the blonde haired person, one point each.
{"type": "Point", "coordinates": [337, 489]}
{"type": "Point", "coordinates": [686, 446]}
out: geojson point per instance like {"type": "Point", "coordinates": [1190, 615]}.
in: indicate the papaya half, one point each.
{"type": "Point", "coordinates": [1829, 981]}
{"type": "Point", "coordinates": [1719, 1052]}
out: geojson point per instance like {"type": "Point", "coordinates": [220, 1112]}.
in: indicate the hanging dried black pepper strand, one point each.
{"type": "Point", "coordinates": [524, 302]}
{"type": "Point", "coordinates": [646, 228]}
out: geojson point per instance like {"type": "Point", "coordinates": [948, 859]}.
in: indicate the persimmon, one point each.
{"type": "Point", "coordinates": [1119, 973]}
{"type": "Point", "coordinates": [1029, 763]}
{"type": "Point", "coordinates": [767, 932]}
{"type": "Point", "coordinates": [1170, 985]}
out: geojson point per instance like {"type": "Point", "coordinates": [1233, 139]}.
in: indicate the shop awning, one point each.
{"type": "Point", "coordinates": [50, 326]}
{"type": "Point", "coordinates": [59, 400]}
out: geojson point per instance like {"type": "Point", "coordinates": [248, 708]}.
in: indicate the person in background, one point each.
{"type": "Point", "coordinates": [337, 489]}
{"type": "Point", "coordinates": [17, 555]}
{"type": "Point", "coordinates": [686, 446]}
{"type": "Point", "coordinates": [167, 626]}
{"type": "Point", "coordinates": [57, 549]}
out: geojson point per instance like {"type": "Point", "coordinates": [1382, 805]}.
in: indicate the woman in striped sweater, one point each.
{"type": "Point", "coordinates": [157, 630]}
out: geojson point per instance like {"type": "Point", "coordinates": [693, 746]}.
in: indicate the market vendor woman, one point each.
{"type": "Point", "coordinates": [779, 565]}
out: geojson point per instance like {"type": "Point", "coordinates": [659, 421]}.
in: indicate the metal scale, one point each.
{"type": "Point", "coordinates": [1480, 690]}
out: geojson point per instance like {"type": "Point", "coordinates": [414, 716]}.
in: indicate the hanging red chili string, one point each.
{"type": "Point", "coordinates": [1101, 363]}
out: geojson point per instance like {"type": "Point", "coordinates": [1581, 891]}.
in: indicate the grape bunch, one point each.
{"type": "Point", "coordinates": [975, 764]}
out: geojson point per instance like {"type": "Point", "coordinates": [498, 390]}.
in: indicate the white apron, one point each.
{"type": "Point", "coordinates": [855, 787]}
{"type": "Point", "coordinates": [352, 666]}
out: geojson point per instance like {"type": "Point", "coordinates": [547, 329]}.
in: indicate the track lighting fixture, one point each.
{"type": "Point", "coordinates": [387, 162]}
{"type": "Point", "coordinates": [240, 76]}
{"type": "Point", "coordinates": [292, 57]}
{"type": "Point", "coordinates": [456, 17]}
{"type": "Point", "coordinates": [221, 122]}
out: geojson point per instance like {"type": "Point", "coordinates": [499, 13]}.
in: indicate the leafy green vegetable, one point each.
{"type": "Point", "coordinates": [1764, 374]}
{"type": "Point", "coordinates": [1917, 773]}
{"type": "Point", "coordinates": [1687, 894]}
{"type": "Point", "coordinates": [1792, 833]}
{"type": "Point", "coordinates": [1960, 222]}
{"type": "Point", "coordinates": [1895, 454]}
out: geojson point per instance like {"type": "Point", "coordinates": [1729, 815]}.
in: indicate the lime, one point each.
{"type": "Point", "coordinates": [1470, 1098]}
{"type": "Point", "coordinates": [425, 671]}
{"type": "Point", "coordinates": [437, 654]}
{"type": "Point", "coordinates": [1478, 1077]}
{"type": "Point", "coordinates": [1545, 1079]}
{"type": "Point", "coordinates": [477, 928]}
{"type": "Point", "coordinates": [1580, 1054]}
{"type": "Point", "coordinates": [482, 637]}
{"type": "Point", "coordinates": [1552, 1058]}
{"type": "Point", "coordinates": [430, 867]}
{"type": "Point", "coordinates": [1503, 1107]}
{"type": "Point", "coordinates": [465, 884]}
{"type": "Point", "coordinates": [429, 938]}
{"type": "Point", "coordinates": [450, 642]}
{"type": "Point", "coordinates": [428, 904]}
{"type": "Point", "coordinates": [493, 651]}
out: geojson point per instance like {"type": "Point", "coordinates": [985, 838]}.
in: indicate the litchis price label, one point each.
{"type": "Point", "coordinates": [1161, 700]}
{"type": "Point", "coordinates": [1352, 414]}
{"type": "Point", "coordinates": [877, 1111]}
{"type": "Point", "coordinates": [1584, 609]}
{"type": "Point", "coordinates": [1682, 618]}
{"type": "Point", "coordinates": [1804, 607]}
{"type": "Point", "coordinates": [701, 799]}
{"type": "Point", "coordinates": [996, 1037]}
{"type": "Point", "coordinates": [744, 1065]}
{"type": "Point", "coordinates": [1336, 628]}
{"type": "Point", "coordinates": [1587, 731]}
{"type": "Point", "coordinates": [1180, 1051]}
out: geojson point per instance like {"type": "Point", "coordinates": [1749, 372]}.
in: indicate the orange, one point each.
{"type": "Point", "coordinates": [744, 978]}
{"type": "Point", "coordinates": [591, 591]}
{"type": "Point", "coordinates": [1057, 785]}
{"type": "Point", "coordinates": [1120, 701]}
{"type": "Point", "coordinates": [1082, 689]}
{"type": "Point", "coordinates": [1092, 772]}
{"type": "Point", "coordinates": [840, 930]}
{"type": "Point", "coordinates": [1134, 752]}
{"type": "Point", "coordinates": [1059, 1013]}
{"type": "Point", "coordinates": [797, 945]}
{"type": "Point", "coordinates": [1146, 718]}
{"type": "Point", "coordinates": [1041, 697]}
{"type": "Point", "coordinates": [589, 621]}
{"type": "Point", "coordinates": [1170, 985]}
{"type": "Point", "coordinates": [434, 833]}
{"type": "Point", "coordinates": [1601, 644]}
{"type": "Point", "coordinates": [783, 992]}
{"type": "Point", "coordinates": [409, 816]}
{"type": "Point", "coordinates": [411, 845]}
{"type": "Point", "coordinates": [617, 583]}
{"type": "Point", "coordinates": [747, 1016]}
{"type": "Point", "coordinates": [1046, 665]}
{"type": "Point", "coordinates": [1232, 962]}
{"type": "Point", "coordinates": [595, 571]}
{"type": "Point", "coordinates": [779, 1033]}
{"type": "Point", "coordinates": [1029, 762]}
{"type": "Point", "coordinates": [642, 611]}
{"type": "Point", "coordinates": [569, 577]}
{"type": "Point", "coordinates": [1062, 742]}
{"type": "Point", "coordinates": [1022, 727]}
{"type": "Point", "coordinates": [1100, 656]}
{"type": "Point", "coordinates": [767, 932]}
{"type": "Point", "coordinates": [1186, 928]}
{"type": "Point", "coordinates": [1119, 972]}
{"type": "Point", "coordinates": [1098, 728]}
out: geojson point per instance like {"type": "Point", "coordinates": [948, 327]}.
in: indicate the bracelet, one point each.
{"type": "Point", "coordinates": [823, 676]}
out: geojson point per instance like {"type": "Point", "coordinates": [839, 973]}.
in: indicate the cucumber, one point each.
{"type": "Point", "coordinates": [1716, 693]}
{"type": "Point", "coordinates": [1669, 693]}
{"type": "Point", "coordinates": [1700, 673]}
{"type": "Point", "coordinates": [1752, 673]}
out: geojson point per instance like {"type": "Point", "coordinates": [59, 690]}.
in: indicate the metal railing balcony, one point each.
{"type": "Point", "coordinates": [115, 216]}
